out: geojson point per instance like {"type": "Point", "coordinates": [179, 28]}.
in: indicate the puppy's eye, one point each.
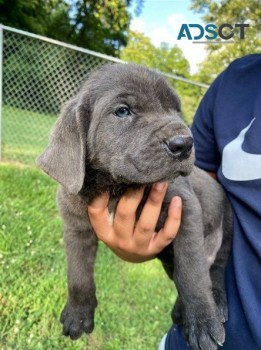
{"type": "Point", "coordinates": [122, 112]}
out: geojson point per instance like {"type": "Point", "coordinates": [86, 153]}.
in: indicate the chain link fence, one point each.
{"type": "Point", "coordinates": [38, 75]}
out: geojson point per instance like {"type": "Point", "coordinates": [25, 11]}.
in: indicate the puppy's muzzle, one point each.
{"type": "Point", "coordinates": [179, 147]}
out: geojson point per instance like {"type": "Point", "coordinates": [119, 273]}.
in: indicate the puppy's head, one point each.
{"type": "Point", "coordinates": [125, 122]}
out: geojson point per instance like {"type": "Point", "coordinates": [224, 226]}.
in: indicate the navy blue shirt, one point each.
{"type": "Point", "coordinates": [227, 136]}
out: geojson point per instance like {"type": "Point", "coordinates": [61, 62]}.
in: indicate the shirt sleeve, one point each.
{"type": "Point", "coordinates": [206, 148]}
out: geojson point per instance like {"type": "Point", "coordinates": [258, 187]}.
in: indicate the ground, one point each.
{"type": "Point", "coordinates": [135, 300]}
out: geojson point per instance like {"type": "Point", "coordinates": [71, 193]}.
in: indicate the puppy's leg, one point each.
{"type": "Point", "coordinates": [176, 313]}
{"type": "Point", "coordinates": [78, 314]}
{"type": "Point", "coordinates": [217, 270]}
{"type": "Point", "coordinates": [202, 327]}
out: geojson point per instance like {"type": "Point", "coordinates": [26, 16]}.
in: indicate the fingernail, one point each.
{"type": "Point", "coordinates": [177, 202]}
{"type": "Point", "coordinates": [159, 186]}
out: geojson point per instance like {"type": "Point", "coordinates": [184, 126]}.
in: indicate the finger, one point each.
{"type": "Point", "coordinates": [125, 215]}
{"type": "Point", "coordinates": [99, 203]}
{"type": "Point", "coordinates": [170, 229]}
{"type": "Point", "coordinates": [99, 216]}
{"type": "Point", "coordinates": [151, 210]}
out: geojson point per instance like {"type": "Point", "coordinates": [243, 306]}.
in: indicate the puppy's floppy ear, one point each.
{"type": "Point", "coordinates": [64, 158]}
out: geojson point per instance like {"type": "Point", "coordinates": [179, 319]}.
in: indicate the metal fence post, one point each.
{"type": "Point", "coordinates": [1, 86]}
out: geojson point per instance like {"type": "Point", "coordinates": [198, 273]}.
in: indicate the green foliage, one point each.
{"type": "Point", "coordinates": [99, 25]}
{"type": "Point", "coordinates": [229, 11]}
{"type": "Point", "coordinates": [134, 299]}
{"type": "Point", "coordinates": [168, 60]}
{"type": "Point", "coordinates": [32, 16]}
{"type": "Point", "coordinates": [141, 50]}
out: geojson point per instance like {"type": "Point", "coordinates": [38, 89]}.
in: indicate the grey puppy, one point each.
{"type": "Point", "coordinates": [123, 129]}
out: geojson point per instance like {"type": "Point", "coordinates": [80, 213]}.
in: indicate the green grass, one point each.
{"type": "Point", "coordinates": [25, 134]}
{"type": "Point", "coordinates": [134, 299]}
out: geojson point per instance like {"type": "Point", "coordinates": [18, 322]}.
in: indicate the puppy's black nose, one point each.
{"type": "Point", "coordinates": [180, 146]}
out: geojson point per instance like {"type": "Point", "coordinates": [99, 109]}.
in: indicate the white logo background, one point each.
{"type": "Point", "coordinates": [237, 164]}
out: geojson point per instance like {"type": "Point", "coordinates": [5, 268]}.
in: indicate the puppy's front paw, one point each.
{"type": "Point", "coordinates": [76, 321]}
{"type": "Point", "coordinates": [203, 331]}
{"type": "Point", "coordinates": [221, 302]}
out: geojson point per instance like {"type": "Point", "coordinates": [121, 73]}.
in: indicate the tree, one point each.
{"type": "Point", "coordinates": [141, 50]}
{"type": "Point", "coordinates": [165, 59]}
{"type": "Point", "coordinates": [229, 11]}
{"type": "Point", "coordinates": [31, 15]}
{"type": "Point", "coordinates": [100, 25]}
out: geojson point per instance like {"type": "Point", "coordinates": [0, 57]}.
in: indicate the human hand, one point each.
{"type": "Point", "coordinates": [136, 241]}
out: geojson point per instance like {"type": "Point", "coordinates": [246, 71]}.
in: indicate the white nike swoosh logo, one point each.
{"type": "Point", "coordinates": [237, 164]}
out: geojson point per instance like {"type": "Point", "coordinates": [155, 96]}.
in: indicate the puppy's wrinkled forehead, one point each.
{"type": "Point", "coordinates": [138, 85]}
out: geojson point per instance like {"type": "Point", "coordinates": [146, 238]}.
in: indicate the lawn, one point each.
{"type": "Point", "coordinates": [25, 134]}
{"type": "Point", "coordinates": [134, 299]}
